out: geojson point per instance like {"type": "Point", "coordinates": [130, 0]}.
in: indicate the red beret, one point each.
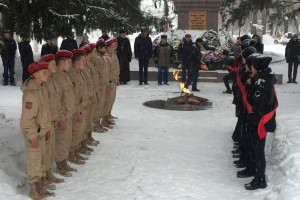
{"type": "Point", "coordinates": [110, 41]}
{"type": "Point", "coordinates": [78, 51]}
{"type": "Point", "coordinates": [36, 66]}
{"type": "Point", "coordinates": [238, 38]}
{"type": "Point", "coordinates": [86, 48]}
{"type": "Point", "coordinates": [99, 42]}
{"type": "Point", "coordinates": [47, 58]}
{"type": "Point", "coordinates": [92, 45]}
{"type": "Point", "coordinates": [63, 53]}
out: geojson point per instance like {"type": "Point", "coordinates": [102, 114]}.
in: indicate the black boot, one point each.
{"type": "Point", "coordinates": [236, 156]}
{"type": "Point", "coordinates": [256, 183]}
{"type": "Point", "coordinates": [246, 173]}
{"type": "Point", "coordinates": [294, 81]}
{"type": "Point", "coordinates": [235, 151]}
{"type": "Point", "coordinates": [195, 90]}
{"type": "Point", "coordinates": [12, 83]}
{"type": "Point", "coordinates": [228, 92]}
{"type": "Point", "coordinates": [290, 81]}
{"type": "Point", "coordinates": [5, 82]}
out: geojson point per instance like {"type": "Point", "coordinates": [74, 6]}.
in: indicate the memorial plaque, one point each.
{"type": "Point", "coordinates": [197, 20]}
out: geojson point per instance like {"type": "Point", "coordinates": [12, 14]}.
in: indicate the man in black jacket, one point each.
{"type": "Point", "coordinates": [69, 44]}
{"type": "Point", "coordinates": [259, 46]}
{"type": "Point", "coordinates": [292, 53]}
{"type": "Point", "coordinates": [48, 48]}
{"type": "Point", "coordinates": [26, 57]}
{"type": "Point", "coordinates": [124, 54]}
{"type": "Point", "coordinates": [8, 58]}
{"type": "Point", "coordinates": [195, 65]}
{"type": "Point", "coordinates": [143, 52]}
{"type": "Point", "coordinates": [185, 55]}
{"type": "Point", "coordinates": [104, 35]}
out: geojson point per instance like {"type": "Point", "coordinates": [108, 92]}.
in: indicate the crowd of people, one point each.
{"type": "Point", "coordinates": [68, 95]}
{"type": "Point", "coordinates": [255, 99]}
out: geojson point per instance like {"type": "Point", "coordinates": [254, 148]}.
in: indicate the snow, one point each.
{"type": "Point", "coordinates": [161, 154]}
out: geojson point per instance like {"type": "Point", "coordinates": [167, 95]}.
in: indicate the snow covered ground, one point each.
{"type": "Point", "coordinates": [161, 154]}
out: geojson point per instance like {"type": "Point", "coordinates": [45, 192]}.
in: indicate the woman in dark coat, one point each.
{"type": "Point", "coordinates": [26, 57]}
{"type": "Point", "coordinates": [124, 54]}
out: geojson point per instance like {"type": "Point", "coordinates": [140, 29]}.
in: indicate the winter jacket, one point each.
{"type": "Point", "coordinates": [229, 60]}
{"type": "Point", "coordinates": [185, 53]}
{"type": "Point", "coordinates": [259, 46]}
{"type": "Point", "coordinates": [104, 37]}
{"type": "Point", "coordinates": [83, 42]}
{"type": "Point", "coordinates": [25, 53]}
{"type": "Point", "coordinates": [36, 117]}
{"type": "Point", "coordinates": [80, 90]}
{"type": "Point", "coordinates": [67, 99]}
{"type": "Point", "coordinates": [102, 69]}
{"type": "Point", "coordinates": [292, 51]}
{"type": "Point", "coordinates": [124, 52]}
{"type": "Point", "coordinates": [164, 54]}
{"type": "Point", "coordinates": [9, 50]}
{"type": "Point", "coordinates": [113, 66]}
{"type": "Point", "coordinates": [143, 47]}
{"type": "Point", "coordinates": [196, 52]}
{"type": "Point", "coordinates": [54, 94]}
{"type": "Point", "coordinates": [262, 99]}
{"type": "Point", "coordinates": [48, 49]}
{"type": "Point", "coordinates": [69, 44]}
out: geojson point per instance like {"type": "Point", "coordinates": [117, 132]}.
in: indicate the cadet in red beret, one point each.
{"type": "Point", "coordinates": [36, 126]}
{"type": "Point", "coordinates": [54, 97]}
{"type": "Point", "coordinates": [67, 111]}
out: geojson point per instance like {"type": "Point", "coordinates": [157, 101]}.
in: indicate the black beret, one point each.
{"type": "Point", "coordinates": [248, 51]}
{"type": "Point", "coordinates": [122, 31]}
{"type": "Point", "coordinates": [199, 39]}
{"type": "Point", "coordinates": [225, 52]}
{"type": "Point", "coordinates": [163, 36]}
{"type": "Point", "coordinates": [249, 60]}
{"type": "Point", "coordinates": [261, 62]}
{"type": "Point", "coordinates": [187, 35]}
{"type": "Point", "coordinates": [245, 37]}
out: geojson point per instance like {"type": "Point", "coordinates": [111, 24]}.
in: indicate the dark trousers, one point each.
{"type": "Point", "coordinates": [259, 154]}
{"type": "Point", "coordinates": [163, 73]}
{"type": "Point", "coordinates": [185, 70]}
{"type": "Point", "coordinates": [227, 78]}
{"type": "Point", "coordinates": [193, 77]}
{"type": "Point", "coordinates": [124, 72]}
{"type": "Point", "coordinates": [9, 69]}
{"type": "Point", "coordinates": [295, 69]}
{"type": "Point", "coordinates": [143, 70]}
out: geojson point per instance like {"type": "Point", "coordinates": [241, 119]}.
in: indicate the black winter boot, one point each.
{"type": "Point", "coordinates": [256, 183]}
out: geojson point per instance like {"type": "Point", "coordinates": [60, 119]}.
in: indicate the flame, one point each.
{"type": "Point", "coordinates": [175, 74]}
{"type": "Point", "coordinates": [182, 85]}
{"type": "Point", "coordinates": [185, 90]}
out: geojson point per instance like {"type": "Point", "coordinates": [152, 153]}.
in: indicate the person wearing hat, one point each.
{"type": "Point", "coordinates": [104, 36]}
{"type": "Point", "coordinates": [69, 43]}
{"type": "Point", "coordinates": [163, 55]}
{"type": "Point", "coordinates": [54, 94]}
{"type": "Point", "coordinates": [85, 40]}
{"type": "Point", "coordinates": [82, 104]}
{"type": "Point", "coordinates": [8, 58]}
{"type": "Point", "coordinates": [49, 48]}
{"type": "Point", "coordinates": [67, 112]}
{"type": "Point", "coordinates": [124, 54]}
{"type": "Point", "coordinates": [36, 126]}
{"type": "Point", "coordinates": [263, 103]}
{"type": "Point", "coordinates": [185, 55]}
{"type": "Point", "coordinates": [26, 56]}
{"type": "Point", "coordinates": [292, 55]}
{"type": "Point", "coordinates": [259, 46]}
{"type": "Point", "coordinates": [142, 53]}
{"type": "Point", "coordinates": [112, 61]}
{"type": "Point", "coordinates": [195, 64]}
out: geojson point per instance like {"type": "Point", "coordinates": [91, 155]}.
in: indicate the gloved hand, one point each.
{"type": "Point", "coordinates": [63, 125]}
{"type": "Point", "coordinates": [35, 143]}
{"type": "Point", "coordinates": [48, 135]}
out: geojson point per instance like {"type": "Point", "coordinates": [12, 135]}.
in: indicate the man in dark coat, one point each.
{"type": "Point", "coordinates": [26, 57]}
{"type": "Point", "coordinates": [69, 44]}
{"type": "Point", "coordinates": [49, 48]}
{"type": "Point", "coordinates": [195, 65]}
{"type": "Point", "coordinates": [104, 35]}
{"type": "Point", "coordinates": [163, 55]}
{"type": "Point", "coordinates": [292, 53]}
{"type": "Point", "coordinates": [85, 40]}
{"type": "Point", "coordinates": [124, 54]}
{"type": "Point", "coordinates": [143, 52]}
{"type": "Point", "coordinates": [185, 55]}
{"type": "Point", "coordinates": [259, 46]}
{"type": "Point", "coordinates": [8, 58]}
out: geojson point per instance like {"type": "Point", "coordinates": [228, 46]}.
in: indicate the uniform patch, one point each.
{"type": "Point", "coordinates": [74, 84]}
{"type": "Point", "coordinates": [28, 105]}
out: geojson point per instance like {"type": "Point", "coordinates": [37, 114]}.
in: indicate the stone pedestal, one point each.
{"type": "Point", "coordinates": [211, 7]}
